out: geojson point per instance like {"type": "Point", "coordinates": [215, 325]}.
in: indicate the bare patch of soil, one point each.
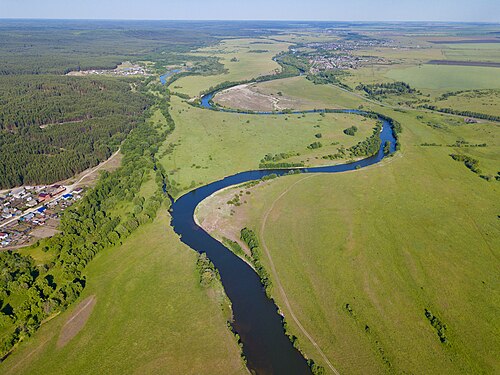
{"type": "Point", "coordinates": [76, 321]}
{"type": "Point", "coordinates": [48, 230]}
{"type": "Point", "coordinates": [247, 97]}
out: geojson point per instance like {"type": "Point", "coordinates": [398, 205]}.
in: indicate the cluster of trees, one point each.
{"type": "Point", "coordinates": [207, 271]}
{"type": "Point", "coordinates": [274, 161]}
{"type": "Point", "coordinates": [250, 238]}
{"type": "Point", "coordinates": [278, 157]}
{"type": "Point", "coordinates": [370, 146]}
{"type": "Point", "coordinates": [388, 88]}
{"type": "Point", "coordinates": [29, 293]}
{"type": "Point", "coordinates": [315, 145]}
{"type": "Point", "coordinates": [282, 165]}
{"type": "Point", "coordinates": [437, 324]}
{"type": "Point", "coordinates": [90, 117]}
{"type": "Point", "coordinates": [36, 156]}
{"type": "Point", "coordinates": [483, 116]}
{"type": "Point", "coordinates": [329, 77]}
{"type": "Point", "coordinates": [351, 131]}
{"type": "Point", "coordinates": [387, 147]}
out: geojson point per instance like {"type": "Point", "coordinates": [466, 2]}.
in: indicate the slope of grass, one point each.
{"type": "Point", "coordinates": [151, 316]}
{"type": "Point", "coordinates": [361, 255]}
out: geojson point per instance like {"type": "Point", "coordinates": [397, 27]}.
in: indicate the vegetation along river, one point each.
{"type": "Point", "coordinates": [256, 319]}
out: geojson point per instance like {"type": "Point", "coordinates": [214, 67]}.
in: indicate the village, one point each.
{"type": "Point", "coordinates": [338, 55]}
{"type": "Point", "coordinates": [125, 69]}
{"type": "Point", "coordinates": [30, 213]}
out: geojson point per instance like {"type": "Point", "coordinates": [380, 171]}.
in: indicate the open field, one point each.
{"type": "Point", "coordinates": [150, 316]}
{"type": "Point", "coordinates": [248, 64]}
{"type": "Point", "coordinates": [417, 232]}
{"type": "Point", "coordinates": [483, 101]}
{"type": "Point", "coordinates": [472, 51]}
{"type": "Point", "coordinates": [208, 145]}
{"type": "Point", "coordinates": [448, 77]}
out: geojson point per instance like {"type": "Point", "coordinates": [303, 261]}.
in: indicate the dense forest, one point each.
{"type": "Point", "coordinates": [53, 127]}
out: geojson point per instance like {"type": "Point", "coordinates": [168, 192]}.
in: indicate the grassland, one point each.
{"type": "Point", "coordinates": [151, 316]}
{"type": "Point", "coordinates": [482, 101]}
{"type": "Point", "coordinates": [472, 51]}
{"type": "Point", "coordinates": [448, 77]}
{"type": "Point", "coordinates": [245, 65]}
{"type": "Point", "coordinates": [208, 145]}
{"type": "Point", "coordinates": [419, 231]}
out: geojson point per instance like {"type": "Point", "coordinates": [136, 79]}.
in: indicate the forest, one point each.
{"type": "Point", "coordinates": [52, 127]}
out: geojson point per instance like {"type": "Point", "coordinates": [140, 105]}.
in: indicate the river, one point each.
{"type": "Point", "coordinates": [265, 345]}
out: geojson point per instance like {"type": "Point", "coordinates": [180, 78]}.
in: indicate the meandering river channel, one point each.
{"type": "Point", "coordinates": [265, 345]}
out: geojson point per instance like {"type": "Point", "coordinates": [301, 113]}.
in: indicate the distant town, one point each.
{"type": "Point", "coordinates": [339, 55]}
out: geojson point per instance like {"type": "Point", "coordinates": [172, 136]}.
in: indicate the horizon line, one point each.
{"type": "Point", "coordinates": [237, 20]}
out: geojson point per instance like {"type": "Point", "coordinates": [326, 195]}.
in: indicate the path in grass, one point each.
{"type": "Point", "coordinates": [277, 279]}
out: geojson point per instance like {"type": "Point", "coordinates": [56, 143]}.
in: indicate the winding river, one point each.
{"type": "Point", "coordinates": [256, 318]}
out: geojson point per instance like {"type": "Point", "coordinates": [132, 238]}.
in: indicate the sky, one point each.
{"type": "Point", "coordinates": [328, 10]}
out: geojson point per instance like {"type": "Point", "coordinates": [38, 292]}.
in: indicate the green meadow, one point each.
{"type": "Point", "coordinates": [448, 77]}
{"type": "Point", "coordinates": [362, 254]}
{"type": "Point", "coordinates": [151, 316]}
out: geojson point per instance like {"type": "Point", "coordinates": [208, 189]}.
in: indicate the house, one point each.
{"type": "Point", "coordinates": [67, 196]}
{"type": "Point", "coordinates": [43, 196]}
{"type": "Point", "coordinates": [41, 210]}
{"type": "Point", "coordinates": [3, 235]}
{"type": "Point", "coordinates": [78, 190]}
{"type": "Point", "coordinates": [469, 120]}
{"type": "Point", "coordinates": [31, 203]}
{"type": "Point", "coordinates": [29, 216]}
{"type": "Point", "coordinates": [17, 192]}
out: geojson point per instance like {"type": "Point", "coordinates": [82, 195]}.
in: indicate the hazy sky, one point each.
{"type": "Point", "coordinates": [332, 10]}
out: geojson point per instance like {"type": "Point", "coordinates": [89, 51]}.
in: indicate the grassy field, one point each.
{"type": "Point", "coordinates": [248, 65]}
{"type": "Point", "coordinates": [473, 51]}
{"type": "Point", "coordinates": [210, 145]}
{"type": "Point", "coordinates": [484, 101]}
{"type": "Point", "coordinates": [418, 232]}
{"type": "Point", "coordinates": [448, 77]}
{"type": "Point", "coordinates": [150, 316]}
